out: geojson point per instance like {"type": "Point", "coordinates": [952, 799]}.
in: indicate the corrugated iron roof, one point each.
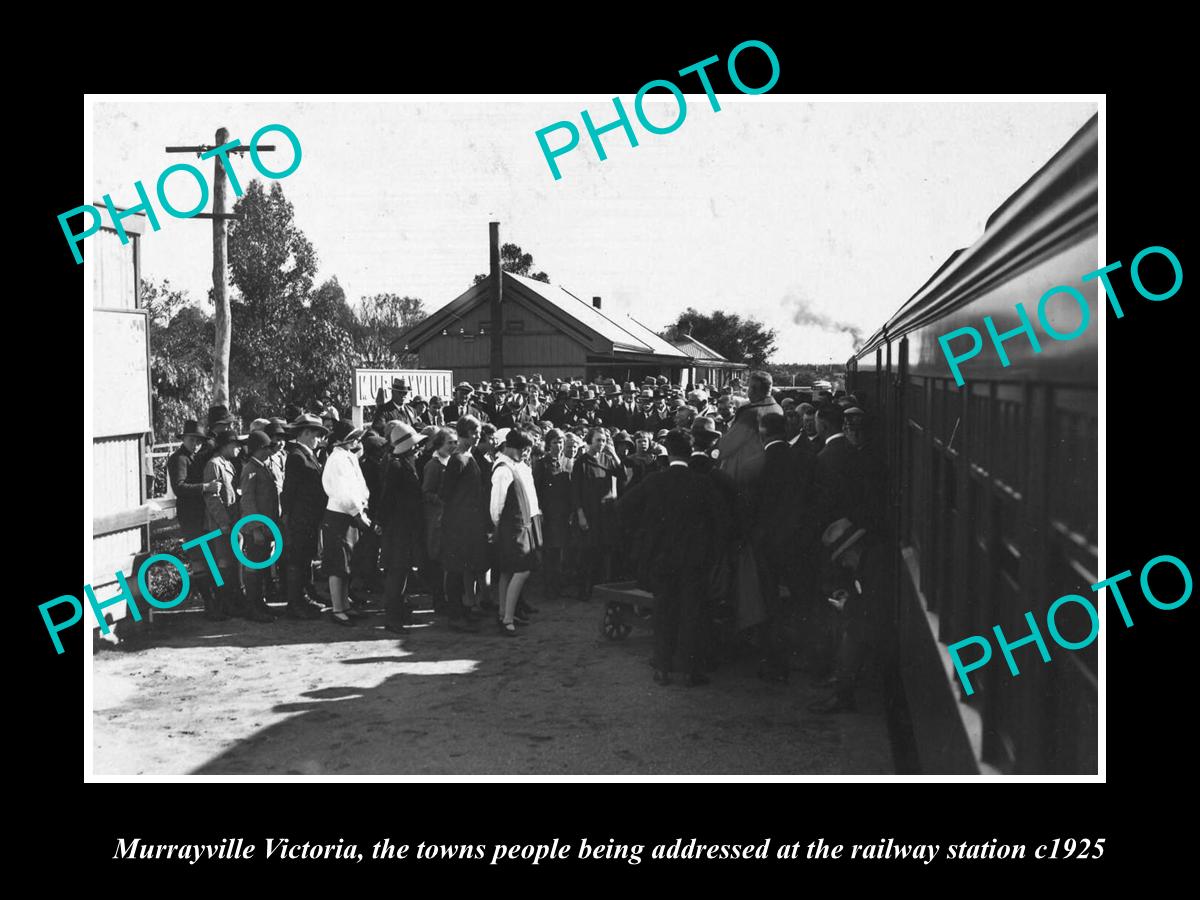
{"type": "Point", "coordinates": [697, 350]}
{"type": "Point", "coordinates": [625, 333]}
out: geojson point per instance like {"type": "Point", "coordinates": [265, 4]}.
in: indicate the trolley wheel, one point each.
{"type": "Point", "coordinates": [613, 626]}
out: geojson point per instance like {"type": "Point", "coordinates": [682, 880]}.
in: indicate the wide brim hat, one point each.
{"type": "Point", "coordinates": [465, 386]}
{"type": "Point", "coordinates": [840, 536]}
{"type": "Point", "coordinates": [307, 420]}
{"type": "Point", "coordinates": [227, 437]}
{"type": "Point", "coordinates": [704, 425]}
{"type": "Point", "coordinates": [399, 384]}
{"type": "Point", "coordinates": [191, 428]}
{"type": "Point", "coordinates": [345, 433]}
{"type": "Point", "coordinates": [403, 437]}
{"type": "Point", "coordinates": [275, 430]}
{"type": "Point", "coordinates": [257, 440]}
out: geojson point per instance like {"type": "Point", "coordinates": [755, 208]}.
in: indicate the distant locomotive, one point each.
{"type": "Point", "coordinates": [993, 486]}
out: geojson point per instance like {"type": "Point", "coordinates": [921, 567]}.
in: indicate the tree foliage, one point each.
{"type": "Point", "coordinates": [514, 259]}
{"type": "Point", "coordinates": [737, 339]}
{"type": "Point", "coordinates": [181, 348]}
{"type": "Point", "coordinates": [379, 320]}
{"type": "Point", "coordinates": [291, 344]}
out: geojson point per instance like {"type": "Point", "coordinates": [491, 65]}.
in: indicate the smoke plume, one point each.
{"type": "Point", "coordinates": [803, 313]}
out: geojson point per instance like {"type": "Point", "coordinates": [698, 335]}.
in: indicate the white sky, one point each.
{"type": "Point", "coordinates": [849, 206]}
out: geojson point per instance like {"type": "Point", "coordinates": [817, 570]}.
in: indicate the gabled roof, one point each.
{"type": "Point", "coordinates": [622, 332]}
{"type": "Point", "coordinates": [697, 350]}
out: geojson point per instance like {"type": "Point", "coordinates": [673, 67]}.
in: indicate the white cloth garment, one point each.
{"type": "Point", "coordinates": [343, 482]}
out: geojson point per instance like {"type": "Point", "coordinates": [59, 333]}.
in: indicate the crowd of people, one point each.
{"type": "Point", "coordinates": [738, 513]}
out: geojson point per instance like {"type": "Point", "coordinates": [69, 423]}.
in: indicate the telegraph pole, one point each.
{"type": "Point", "coordinates": [221, 317]}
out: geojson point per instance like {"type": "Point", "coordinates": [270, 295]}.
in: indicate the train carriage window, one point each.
{"type": "Point", "coordinates": [1072, 463]}
{"type": "Point", "coordinates": [1010, 436]}
{"type": "Point", "coordinates": [978, 431]}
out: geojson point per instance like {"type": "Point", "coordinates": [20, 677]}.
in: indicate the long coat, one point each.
{"type": "Point", "coordinates": [465, 518]}
{"type": "Point", "coordinates": [553, 484]}
{"type": "Point", "coordinates": [591, 487]}
{"type": "Point", "coordinates": [400, 510]}
{"type": "Point", "coordinates": [303, 502]}
{"type": "Point", "coordinates": [187, 482]}
{"type": "Point", "coordinates": [682, 525]}
{"type": "Point", "coordinates": [741, 456]}
{"type": "Point", "coordinates": [431, 484]}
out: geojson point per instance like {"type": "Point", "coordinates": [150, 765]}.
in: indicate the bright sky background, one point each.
{"type": "Point", "coordinates": [767, 204]}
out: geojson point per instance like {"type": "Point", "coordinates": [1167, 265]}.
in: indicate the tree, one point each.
{"type": "Point", "coordinates": [291, 344]}
{"type": "Point", "coordinates": [181, 351]}
{"type": "Point", "coordinates": [515, 260]}
{"type": "Point", "coordinates": [379, 320]}
{"type": "Point", "coordinates": [735, 338]}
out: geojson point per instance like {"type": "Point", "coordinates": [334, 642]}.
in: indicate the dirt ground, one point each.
{"type": "Point", "coordinates": [313, 698]}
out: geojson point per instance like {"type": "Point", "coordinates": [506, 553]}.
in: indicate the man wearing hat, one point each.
{"type": "Point", "coordinates": [364, 564]}
{"type": "Point", "coordinates": [586, 413]}
{"type": "Point", "coordinates": [221, 511]}
{"type": "Point", "coordinates": [463, 405]}
{"type": "Point", "coordinates": [416, 412]}
{"type": "Point", "coordinates": [219, 422]}
{"type": "Point", "coordinates": [559, 412]}
{"type": "Point", "coordinates": [397, 406]}
{"type": "Point", "coordinates": [189, 487]}
{"type": "Point", "coordinates": [345, 516]}
{"type": "Point", "coordinates": [849, 580]}
{"type": "Point", "coordinates": [681, 530]}
{"type": "Point", "coordinates": [622, 409]}
{"type": "Point", "coordinates": [303, 503]}
{"type": "Point", "coordinates": [779, 537]}
{"type": "Point", "coordinates": [400, 523]}
{"type": "Point", "coordinates": [260, 496]}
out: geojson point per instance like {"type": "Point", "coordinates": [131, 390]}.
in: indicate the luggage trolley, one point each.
{"type": "Point", "coordinates": [623, 604]}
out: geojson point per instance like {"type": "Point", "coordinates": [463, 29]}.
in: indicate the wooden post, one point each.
{"type": "Point", "coordinates": [221, 318]}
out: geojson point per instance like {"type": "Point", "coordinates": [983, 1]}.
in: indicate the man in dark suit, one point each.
{"type": "Point", "coordinates": [776, 534]}
{"type": "Point", "coordinates": [683, 528]}
{"type": "Point", "coordinates": [835, 478]}
{"type": "Point", "coordinates": [303, 504]}
{"type": "Point", "coordinates": [644, 419]}
{"type": "Point", "coordinates": [185, 471]}
{"type": "Point", "coordinates": [705, 437]}
{"type": "Point", "coordinates": [559, 412]}
{"type": "Point", "coordinates": [397, 407]}
{"type": "Point", "coordinates": [463, 405]}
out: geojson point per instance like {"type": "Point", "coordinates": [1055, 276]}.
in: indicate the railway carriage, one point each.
{"type": "Point", "coordinates": [993, 485]}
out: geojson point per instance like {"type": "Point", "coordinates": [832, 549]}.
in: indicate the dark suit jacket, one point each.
{"type": "Point", "coordinates": [558, 414]}
{"type": "Point", "coordinates": [304, 497]}
{"type": "Point", "coordinates": [681, 525]}
{"type": "Point", "coordinates": [837, 483]}
{"type": "Point", "coordinates": [399, 509]}
{"type": "Point", "coordinates": [465, 517]}
{"type": "Point", "coordinates": [726, 490]}
{"type": "Point", "coordinates": [187, 481]}
{"type": "Point", "coordinates": [779, 502]}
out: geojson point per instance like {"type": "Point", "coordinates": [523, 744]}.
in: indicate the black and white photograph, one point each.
{"type": "Point", "coordinates": [492, 436]}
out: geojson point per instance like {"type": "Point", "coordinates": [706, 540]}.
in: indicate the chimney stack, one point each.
{"type": "Point", "coordinates": [596, 302]}
{"type": "Point", "coordinates": [497, 313]}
